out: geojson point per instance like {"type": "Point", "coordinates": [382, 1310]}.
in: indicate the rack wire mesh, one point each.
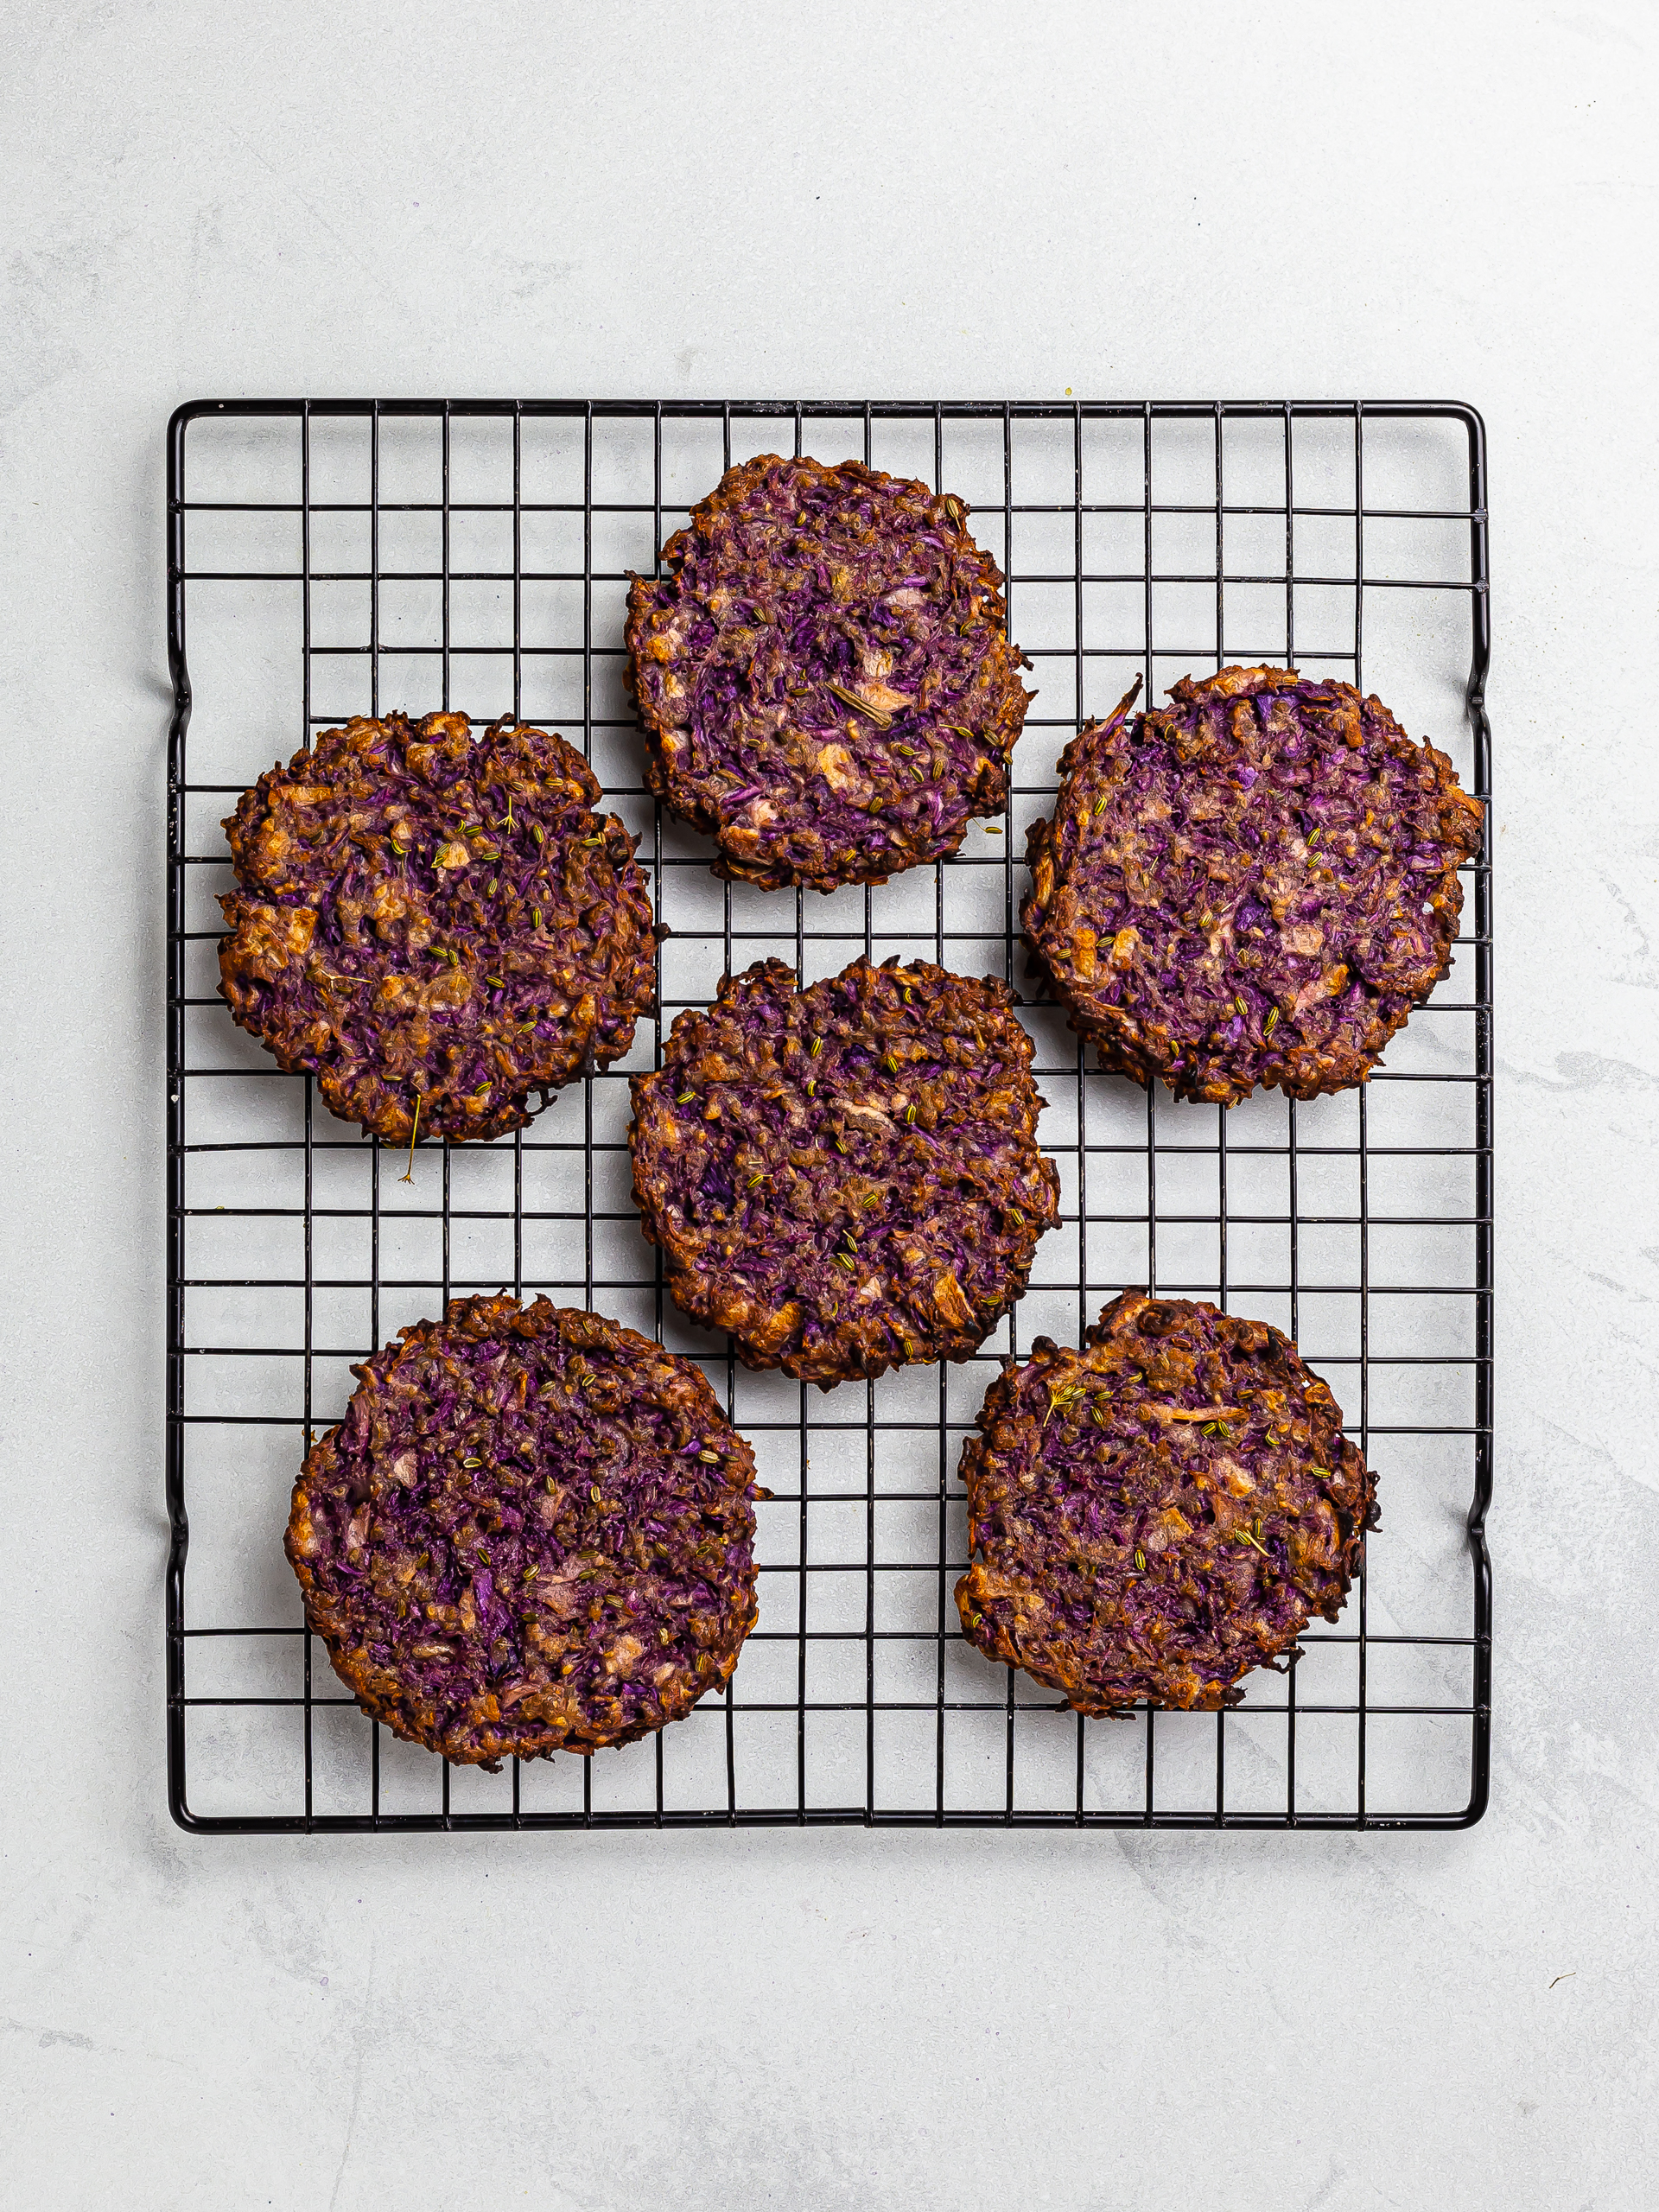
{"type": "Point", "coordinates": [327, 557]}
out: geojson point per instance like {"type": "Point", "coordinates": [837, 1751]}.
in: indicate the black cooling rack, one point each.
{"type": "Point", "coordinates": [327, 557]}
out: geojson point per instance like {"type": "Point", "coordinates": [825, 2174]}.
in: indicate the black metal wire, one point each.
{"type": "Point", "coordinates": [821, 1547]}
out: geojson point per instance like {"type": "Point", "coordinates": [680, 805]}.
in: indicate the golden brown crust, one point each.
{"type": "Point", "coordinates": [532, 1532]}
{"type": "Point", "coordinates": [846, 1178]}
{"type": "Point", "coordinates": [825, 716]}
{"type": "Point", "coordinates": [1253, 886]}
{"type": "Point", "coordinates": [1154, 1514]}
{"type": "Point", "coordinates": [435, 925]}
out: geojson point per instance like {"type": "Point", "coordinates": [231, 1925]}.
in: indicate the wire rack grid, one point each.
{"type": "Point", "coordinates": [327, 557]}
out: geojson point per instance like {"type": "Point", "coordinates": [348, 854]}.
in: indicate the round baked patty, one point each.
{"type": "Point", "coordinates": [824, 674]}
{"type": "Point", "coordinates": [846, 1178]}
{"type": "Point", "coordinates": [436, 927]}
{"type": "Point", "coordinates": [532, 1532]}
{"type": "Point", "coordinates": [1253, 885]}
{"type": "Point", "coordinates": [1155, 1513]}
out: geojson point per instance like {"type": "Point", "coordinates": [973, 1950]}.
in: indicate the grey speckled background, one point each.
{"type": "Point", "coordinates": [1445, 200]}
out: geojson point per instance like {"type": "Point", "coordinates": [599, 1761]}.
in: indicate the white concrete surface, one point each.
{"type": "Point", "coordinates": [1445, 200]}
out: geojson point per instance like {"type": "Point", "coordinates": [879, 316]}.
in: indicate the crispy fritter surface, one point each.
{"type": "Point", "coordinates": [824, 674]}
{"type": "Point", "coordinates": [846, 1178]}
{"type": "Point", "coordinates": [1253, 885]}
{"type": "Point", "coordinates": [532, 1532]}
{"type": "Point", "coordinates": [433, 923]}
{"type": "Point", "coordinates": [1155, 1513]}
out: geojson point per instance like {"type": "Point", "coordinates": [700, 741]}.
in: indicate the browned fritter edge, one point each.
{"type": "Point", "coordinates": [393, 1125]}
{"type": "Point", "coordinates": [599, 1332]}
{"type": "Point", "coordinates": [751, 1325]}
{"type": "Point", "coordinates": [1356, 1508]}
{"type": "Point", "coordinates": [1330, 1073]}
{"type": "Point", "coordinates": [989, 795]}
